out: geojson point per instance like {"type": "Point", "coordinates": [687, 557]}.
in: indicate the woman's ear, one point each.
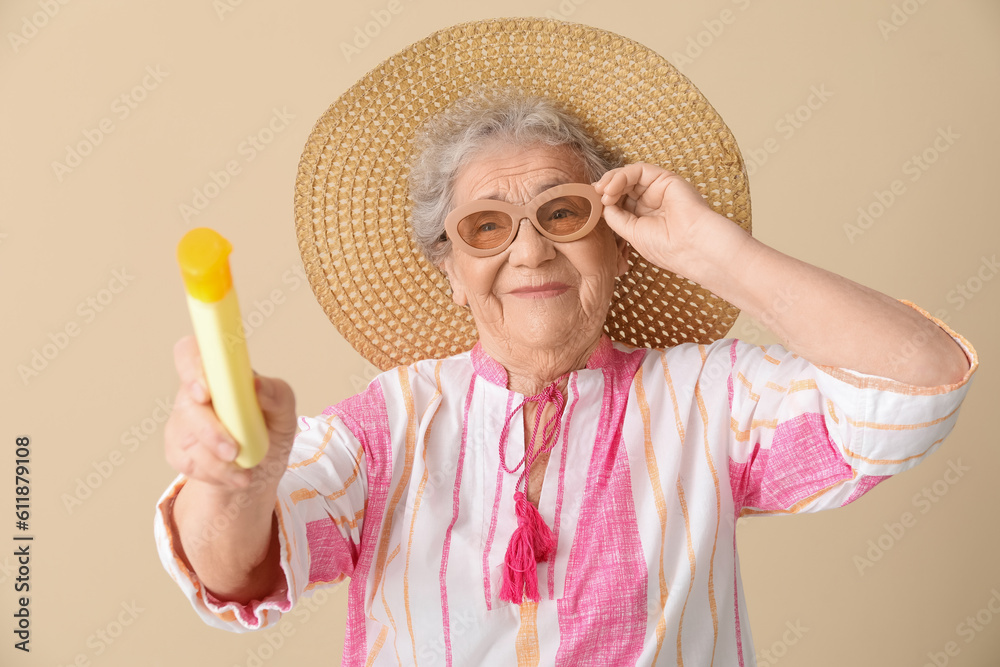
{"type": "Point", "coordinates": [621, 257]}
{"type": "Point", "coordinates": [457, 288]}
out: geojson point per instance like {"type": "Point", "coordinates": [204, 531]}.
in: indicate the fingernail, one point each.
{"type": "Point", "coordinates": [266, 390]}
{"type": "Point", "coordinates": [198, 391]}
{"type": "Point", "coordinates": [228, 450]}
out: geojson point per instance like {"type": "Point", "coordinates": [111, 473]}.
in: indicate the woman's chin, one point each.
{"type": "Point", "coordinates": [560, 324]}
{"type": "Point", "coordinates": [551, 330]}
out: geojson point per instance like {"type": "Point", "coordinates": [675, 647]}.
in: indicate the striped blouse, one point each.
{"type": "Point", "coordinates": [401, 489]}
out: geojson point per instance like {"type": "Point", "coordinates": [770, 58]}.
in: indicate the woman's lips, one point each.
{"type": "Point", "coordinates": [540, 291]}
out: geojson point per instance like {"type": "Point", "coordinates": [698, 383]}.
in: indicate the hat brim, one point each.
{"type": "Point", "coordinates": [352, 209]}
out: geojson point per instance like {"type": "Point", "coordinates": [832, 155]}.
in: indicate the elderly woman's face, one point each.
{"type": "Point", "coordinates": [536, 292]}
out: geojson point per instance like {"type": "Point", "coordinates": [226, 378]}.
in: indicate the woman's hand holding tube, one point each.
{"type": "Point", "coordinates": [224, 515]}
{"type": "Point", "coordinates": [826, 318]}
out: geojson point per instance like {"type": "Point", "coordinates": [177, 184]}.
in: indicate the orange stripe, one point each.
{"type": "Point", "coordinates": [661, 505]}
{"type": "Point", "coordinates": [718, 515]}
{"type": "Point", "coordinates": [832, 411]}
{"type": "Point", "coordinates": [887, 461]}
{"type": "Point", "coordinates": [306, 494]}
{"type": "Point", "coordinates": [321, 584]}
{"type": "Point", "coordinates": [319, 452]}
{"type": "Point", "coordinates": [684, 511]}
{"type": "Point", "coordinates": [351, 522]}
{"type": "Point", "coordinates": [527, 635]}
{"type": "Point", "coordinates": [416, 508]}
{"type": "Point", "coordinates": [376, 647]}
{"type": "Point", "coordinates": [691, 562]}
{"type": "Point", "coordinates": [794, 386]}
{"type": "Point", "coordinates": [797, 507]}
{"type": "Point", "coordinates": [295, 539]}
{"type": "Point", "coordinates": [742, 436]}
{"type": "Point", "coordinates": [673, 398]}
{"type": "Point", "coordinates": [899, 427]}
{"type": "Point", "coordinates": [288, 551]}
{"type": "Point", "coordinates": [746, 383]}
{"type": "Point", "coordinates": [802, 385]}
{"type": "Point", "coordinates": [392, 621]}
{"type": "Point", "coordinates": [888, 384]}
{"type": "Point", "coordinates": [390, 511]}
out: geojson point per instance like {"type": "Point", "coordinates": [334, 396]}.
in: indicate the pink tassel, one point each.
{"type": "Point", "coordinates": [543, 540]}
{"type": "Point", "coordinates": [519, 568]}
{"type": "Point", "coordinates": [533, 541]}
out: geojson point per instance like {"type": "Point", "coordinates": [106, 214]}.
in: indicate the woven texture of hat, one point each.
{"type": "Point", "coordinates": [352, 209]}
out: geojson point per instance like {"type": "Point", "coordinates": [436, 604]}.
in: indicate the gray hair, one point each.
{"type": "Point", "coordinates": [453, 138]}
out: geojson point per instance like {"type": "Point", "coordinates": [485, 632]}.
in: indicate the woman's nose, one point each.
{"type": "Point", "coordinates": [529, 247]}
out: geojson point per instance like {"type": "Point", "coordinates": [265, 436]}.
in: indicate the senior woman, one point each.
{"type": "Point", "coordinates": [552, 495]}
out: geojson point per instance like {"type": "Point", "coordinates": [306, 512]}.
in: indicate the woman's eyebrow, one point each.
{"type": "Point", "coordinates": [545, 186]}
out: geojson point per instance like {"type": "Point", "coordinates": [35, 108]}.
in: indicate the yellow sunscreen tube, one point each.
{"type": "Point", "coordinates": [215, 313]}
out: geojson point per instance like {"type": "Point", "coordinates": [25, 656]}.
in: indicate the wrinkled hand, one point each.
{"type": "Point", "coordinates": [198, 445]}
{"type": "Point", "coordinates": [655, 210]}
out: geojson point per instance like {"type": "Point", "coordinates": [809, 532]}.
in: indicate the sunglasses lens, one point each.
{"type": "Point", "coordinates": [485, 229]}
{"type": "Point", "coordinates": [565, 215]}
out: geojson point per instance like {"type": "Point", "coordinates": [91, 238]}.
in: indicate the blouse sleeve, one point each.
{"type": "Point", "coordinates": [805, 438]}
{"type": "Point", "coordinates": [320, 511]}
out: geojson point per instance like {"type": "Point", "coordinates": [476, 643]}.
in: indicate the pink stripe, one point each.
{"type": "Point", "coordinates": [454, 517]}
{"type": "Point", "coordinates": [487, 586]}
{"type": "Point", "coordinates": [331, 555]}
{"type": "Point", "coordinates": [488, 367]}
{"type": "Point", "coordinates": [603, 615]}
{"type": "Point", "coordinates": [562, 485]}
{"type": "Point", "coordinates": [604, 354]}
{"type": "Point", "coordinates": [736, 603]}
{"type": "Point", "coordinates": [366, 416]}
{"type": "Point", "coordinates": [864, 485]}
{"type": "Point", "coordinates": [801, 461]}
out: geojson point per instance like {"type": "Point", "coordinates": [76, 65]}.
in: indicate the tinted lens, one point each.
{"type": "Point", "coordinates": [564, 215]}
{"type": "Point", "coordinates": [486, 229]}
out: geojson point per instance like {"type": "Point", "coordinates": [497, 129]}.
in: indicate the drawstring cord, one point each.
{"type": "Point", "coordinates": [550, 432]}
{"type": "Point", "coordinates": [533, 541]}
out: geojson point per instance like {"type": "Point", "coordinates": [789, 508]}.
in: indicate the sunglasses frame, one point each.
{"type": "Point", "coordinates": [518, 213]}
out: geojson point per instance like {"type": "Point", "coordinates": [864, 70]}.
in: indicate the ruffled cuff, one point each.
{"type": "Point", "coordinates": [225, 614]}
{"type": "Point", "coordinates": [883, 426]}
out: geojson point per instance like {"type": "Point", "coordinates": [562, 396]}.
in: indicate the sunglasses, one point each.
{"type": "Point", "coordinates": [562, 213]}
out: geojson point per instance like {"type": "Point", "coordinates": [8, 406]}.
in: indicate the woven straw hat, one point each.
{"type": "Point", "coordinates": [352, 209]}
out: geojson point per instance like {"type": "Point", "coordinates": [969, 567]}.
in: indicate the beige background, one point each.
{"type": "Point", "coordinates": [222, 76]}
